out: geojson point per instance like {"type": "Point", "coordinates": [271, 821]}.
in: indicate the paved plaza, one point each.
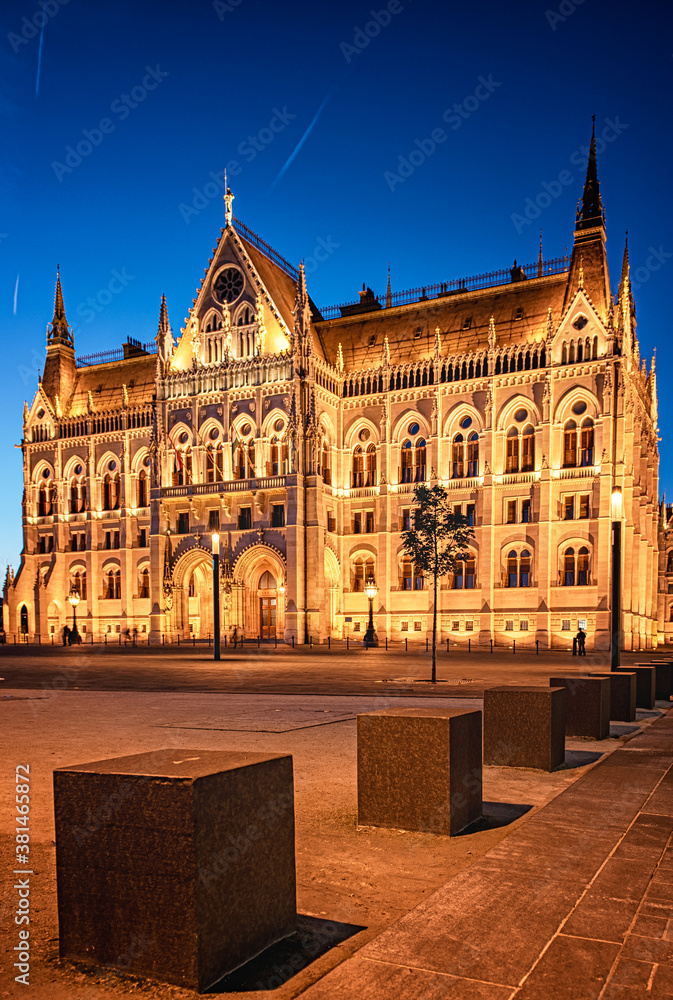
{"type": "Point", "coordinates": [562, 886]}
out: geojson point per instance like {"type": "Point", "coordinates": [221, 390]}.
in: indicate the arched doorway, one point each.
{"type": "Point", "coordinates": [268, 605]}
{"type": "Point", "coordinates": [23, 619]}
{"type": "Point", "coordinates": [258, 593]}
{"type": "Point", "coordinates": [332, 592]}
{"type": "Point", "coordinates": [192, 612]}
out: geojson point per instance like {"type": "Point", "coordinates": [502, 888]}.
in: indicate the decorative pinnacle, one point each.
{"type": "Point", "coordinates": [228, 201]}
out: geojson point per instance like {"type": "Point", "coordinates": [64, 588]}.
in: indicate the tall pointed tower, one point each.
{"type": "Point", "coordinates": [589, 255]}
{"type": "Point", "coordinates": [58, 377]}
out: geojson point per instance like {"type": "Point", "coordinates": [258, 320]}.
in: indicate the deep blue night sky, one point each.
{"type": "Point", "coordinates": [201, 78]}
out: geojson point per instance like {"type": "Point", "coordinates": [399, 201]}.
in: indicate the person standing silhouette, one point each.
{"type": "Point", "coordinates": [581, 639]}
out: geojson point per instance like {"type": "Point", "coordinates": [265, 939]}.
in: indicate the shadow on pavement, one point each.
{"type": "Point", "coordinates": [578, 758]}
{"type": "Point", "coordinates": [283, 960]}
{"type": "Point", "coordinates": [497, 814]}
{"type": "Point", "coordinates": [618, 731]}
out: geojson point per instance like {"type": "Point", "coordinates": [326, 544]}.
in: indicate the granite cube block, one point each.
{"type": "Point", "coordinates": [587, 705]}
{"type": "Point", "coordinates": [524, 726]}
{"type": "Point", "coordinates": [176, 864]}
{"type": "Point", "coordinates": [662, 683]}
{"type": "Point", "coordinates": [419, 769]}
{"type": "Point", "coordinates": [622, 694]}
{"type": "Point", "coordinates": [646, 680]}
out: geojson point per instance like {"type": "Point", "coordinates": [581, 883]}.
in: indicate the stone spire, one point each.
{"type": "Point", "coordinates": [58, 331]}
{"type": "Point", "coordinates": [591, 213]}
{"type": "Point", "coordinates": [164, 337]}
{"type": "Point", "coordinates": [539, 258]}
{"type": "Point", "coordinates": [389, 297]}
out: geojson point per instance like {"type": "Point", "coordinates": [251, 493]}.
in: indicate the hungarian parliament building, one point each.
{"type": "Point", "coordinates": [298, 436]}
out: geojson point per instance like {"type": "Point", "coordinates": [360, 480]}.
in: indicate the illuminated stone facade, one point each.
{"type": "Point", "coordinates": [299, 437]}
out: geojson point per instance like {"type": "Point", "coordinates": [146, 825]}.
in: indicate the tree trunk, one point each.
{"type": "Point", "coordinates": [434, 634]}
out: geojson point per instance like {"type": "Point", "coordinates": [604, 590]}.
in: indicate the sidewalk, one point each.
{"type": "Point", "coordinates": [576, 904]}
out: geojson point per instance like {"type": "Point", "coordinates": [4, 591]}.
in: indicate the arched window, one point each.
{"type": "Point", "coordinates": [46, 498]}
{"type": "Point", "coordinates": [570, 445]}
{"type": "Point", "coordinates": [473, 454]}
{"type": "Point", "coordinates": [191, 589]}
{"type": "Point", "coordinates": [111, 491]}
{"type": "Point", "coordinates": [528, 449]}
{"type": "Point", "coordinates": [669, 564]}
{"type": "Point", "coordinates": [78, 583]}
{"type": "Point", "coordinates": [250, 460]}
{"type": "Point", "coordinates": [571, 352]}
{"type": "Point", "coordinates": [458, 457]}
{"type": "Point", "coordinates": [325, 464]}
{"type": "Point", "coordinates": [518, 569]}
{"type": "Point", "coordinates": [407, 470]}
{"type": "Point", "coordinates": [144, 582]}
{"type": "Point", "coordinates": [244, 460]}
{"type": "Point", "coordinates": [564, 354]}
{"type": "Point", "coordinates": [112, 585]}
{"type": "Point", "coordinates": [524, 569]}
{"type": "Point", "coordinates": [182, 462]}
{"type": "Point", "coordinates": [142, 493]}
{"type": "Point", "coordinates": [411, 577]}
{"type": "Point", "coordinates": [77, 494]}
{"type": "Point", "coordinates": [465, 575]}
{"type": "Point", "coordinates": [267, 581]}
{"type": "Point", "coordinates": [587, 442]}
{"type": "Point", "coordinates": [580, 350]}
{"type": "Point", "coordinates": [569, 568]}
{"type": "Point", "coordinates": [370, 463]}
{"type": "Point", "coordinates": [363, 569]}
{"type": "Point", "coordinates": [583, 567]}
{"type": "Point", "coordinates": [512, 569]}
{"type": "Point", "coordinates": [214, 464]}
{"type": "Point", "coordinates": [420, 461]}
{"type": "Point", "coordinates": [358, 467]}
{"type": "Point", "coordinates": [576, 568]}
{"type": "Point", "coordinates": [512, 456]}
{"type": "Point", "coordinates": [278, 464]}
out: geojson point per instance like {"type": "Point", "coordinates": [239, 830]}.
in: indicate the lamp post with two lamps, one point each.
{"type": "Point", "coordinates": [74, 599]}
{"type": "Point", "coordinates": [216, 595]}
{"type": "Point", "coordinates": [371, 590]}
{"type": "Point", "coordinates": [616, 602]}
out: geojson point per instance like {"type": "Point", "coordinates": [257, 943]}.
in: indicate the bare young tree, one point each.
{"type": "Point", "coordinates": [436, 543]}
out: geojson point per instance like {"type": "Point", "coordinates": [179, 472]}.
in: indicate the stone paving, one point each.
{"type": "Point", "coordinates": [577, 903]}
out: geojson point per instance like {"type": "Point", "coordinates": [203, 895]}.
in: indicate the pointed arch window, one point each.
{"type": "Point", "coordinates": [358, 467]}
{"type": "Point", "coordinates": [112, 585]}
{"type": "Point", "coordinates": [325, 464]}
{"type": "Point", "coordinates": [457, 457]}
{"type": "Point", "coordinates": [407, 470]}
{"type": "Point", "coordinates": [370, 465]}
{"type": "Point", "coordinates": [587, 442]}
{"type": "Point", "coordinates": [473, 454]}
{"type": "Point", "coordinates": [411, 576]}
{"type": "Point", "coordinates": [111, 490]}
{"type": "Point", "coordinates": [78, 583]}
{"type": "Point", "coordinates": [570, 444]}
{"type": "Point", "coordinates": [518, 571]}
{"type": "Point", "coordinates": [144, 582]}
{"type": "Point", "coordinates": [142, 492]}
{"type": "Point", "coordinates": [569, 568]}
{"type": "Point", "coordinates": [421, 450]}
{"type": "Point", "coordinates": [362, 569]}
{"type": "Point", "coordinates": [512, 451]}
{"type": "Point", "coordinates": [528, 449]}
{"type": "Point", "coordinates": [278, 464]}
{"type": "Point", "coordinates": [77, 493]}
{"type": "Point", "coordinates": [465, 575]}
{"type": "Point", "coordinates": [669, 564]}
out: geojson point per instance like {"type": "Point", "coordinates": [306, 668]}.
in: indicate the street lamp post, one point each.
{"type": "Point", "coordinates": [371, 590]}
{"type": "Point", "coordinates": [616, 510]}
{"type": "Point", "coordinates": [73, 597]}
{"type": "Point", "coordinates": [216, 596]}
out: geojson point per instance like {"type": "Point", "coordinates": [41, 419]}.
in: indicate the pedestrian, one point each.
{"type": "Point", "coordinates": [66, 635]}
{"type": "Point", "coordinates": [234, 637]}
{"type": "Point", "coordinates": [581, 639]}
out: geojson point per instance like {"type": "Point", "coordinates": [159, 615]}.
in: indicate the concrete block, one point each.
{"type": "Point", "coordinates": [587, 705]}
{"type": "Point", "coordinates": [175, 864]}
{"type": "Point", "coordinates": [524, 727]}
{"type": "Point", "coordinates": [419, 769]}
{"type": "Point", "coordinates": [622, 694]}
{"type": "Point", "coordinates": [646, 680]}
